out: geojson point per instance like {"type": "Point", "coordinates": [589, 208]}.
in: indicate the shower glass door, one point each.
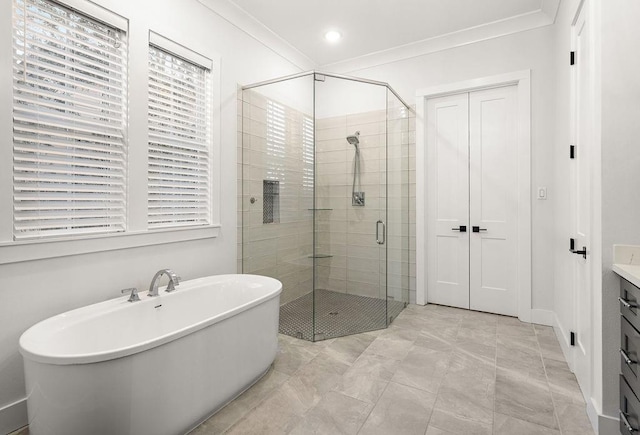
{"type": "Point", "coordinates": [324, 200]}
{"type": "Point", "coordinates": [400, 188]}
{"type": "Point", "coordinates": [276, 194]}
{"type": "Point", "coordinates": [350, 207]}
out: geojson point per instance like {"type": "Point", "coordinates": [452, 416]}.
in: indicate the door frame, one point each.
{"type": "Point", "coordinates": [521, 79]}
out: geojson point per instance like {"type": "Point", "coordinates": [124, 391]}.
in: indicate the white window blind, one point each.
{"type": "Point", "coordinates": [69, 111]}
{"type": "Point", "coordinates": [179, 141]}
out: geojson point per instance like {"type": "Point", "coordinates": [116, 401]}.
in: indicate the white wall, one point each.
{"type": "Point", "coordinates": [525, 50]}
{"type": "Point", "coordinates": [338, 97]}
{"type": "Point", "coordinates": [34, 290]}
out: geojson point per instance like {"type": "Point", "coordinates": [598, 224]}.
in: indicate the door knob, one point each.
{"type": "Point", "coordinates": [461, 228]}
{"type": "Point", "coordinates": [582, 251]}
{"type": "Point", "coordinates": [478, 229]}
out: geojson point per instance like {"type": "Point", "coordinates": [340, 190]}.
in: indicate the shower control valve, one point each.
{"type": "Point", "coordinates": [358, 199]}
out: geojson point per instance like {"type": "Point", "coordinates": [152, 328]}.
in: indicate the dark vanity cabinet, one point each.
{"type": "Point", "coordinates": [629, 354]}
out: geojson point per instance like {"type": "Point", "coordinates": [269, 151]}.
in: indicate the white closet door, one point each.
{"type": "Point", "coordinates": [581, 193]}
{"type": "Point", "coordinates": [493, 181]}
{"type": "Point", "coordinates": [447, 190]}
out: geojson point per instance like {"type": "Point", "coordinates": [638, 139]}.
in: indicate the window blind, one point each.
{"type": "Point", "coordinates": [69, 111]}
{"type": "Point", "coordinates": [179, 141]}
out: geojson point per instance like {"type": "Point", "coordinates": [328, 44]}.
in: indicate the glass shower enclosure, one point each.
{"type": "Point", "coordinates": [323, 200]}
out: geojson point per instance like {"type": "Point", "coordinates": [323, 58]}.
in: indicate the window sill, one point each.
{"type": "Point", "coordinates": [15, 252]}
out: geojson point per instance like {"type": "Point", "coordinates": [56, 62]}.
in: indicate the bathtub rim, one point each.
{"type": "Point", "coordinates": [116, 304]}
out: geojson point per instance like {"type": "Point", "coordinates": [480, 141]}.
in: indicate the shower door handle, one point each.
{"type": "Point", "coordinates": [384, 233]}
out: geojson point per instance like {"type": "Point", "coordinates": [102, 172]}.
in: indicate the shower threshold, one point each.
{"type": "Point", "coordinates": [336, 314]}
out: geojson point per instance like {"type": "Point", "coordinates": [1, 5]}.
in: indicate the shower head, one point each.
{"type": "Point", "coordinates": [353, 139]}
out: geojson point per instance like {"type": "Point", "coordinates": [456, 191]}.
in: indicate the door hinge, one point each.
{"type": "Point", "coordinates": [573, 338]}
{"type": "Point", "coordinates": [573, 58]}
{"type": "Point", "coordinates": [572, 151]}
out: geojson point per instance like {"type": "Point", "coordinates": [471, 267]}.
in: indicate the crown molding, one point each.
{"type": "Point", "coordinates": [250, 25]}
{"type": "Point", "coordinates": [545, 16]}
{"type": "Point", "coordinates": [247, 23]}
{"type": "Point", "coordinates": [550, 7]}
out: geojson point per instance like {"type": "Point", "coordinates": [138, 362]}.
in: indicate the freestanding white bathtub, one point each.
{"type": "Point", "coordinates": [157, 366]}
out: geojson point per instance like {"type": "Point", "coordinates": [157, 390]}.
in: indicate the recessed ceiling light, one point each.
{"type": "Point", "coordinates": [332, 36]}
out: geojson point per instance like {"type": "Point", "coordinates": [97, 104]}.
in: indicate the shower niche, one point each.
{"type": "Point", "coordinates": [271, 195]}
{"type": "Point", "coordinates": [323, 200]}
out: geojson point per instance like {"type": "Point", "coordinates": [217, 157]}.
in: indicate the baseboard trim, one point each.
{"type": "Point", "coordinates": [563, 339]}
{"type": "Point", "coordinates": [608, 425]}
{"type": "Point", "coordinates": [542, 317]}
{"type": "Point", "coordinates": [593, 416]}
{"type": "Point", "coordinates": [602, 424]}
{"type": "Point", "coordinates": [13, 416]}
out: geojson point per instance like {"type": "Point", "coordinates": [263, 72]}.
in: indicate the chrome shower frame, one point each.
{"type": "Point", "coordinates": [320, 76]}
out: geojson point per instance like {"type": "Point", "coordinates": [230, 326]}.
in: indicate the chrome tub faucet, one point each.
{"type": "Point", "coordinates": [174, 280]}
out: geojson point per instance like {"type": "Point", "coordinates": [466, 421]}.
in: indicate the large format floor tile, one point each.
{"type": "Point", "coordinates": [400, 410]}
{"type": "Point", "coordinates": [524, 398]}
{"type": "Point", "coordinates": [435, 371]}
{"type": "Point", "coordinates": [334, 414]}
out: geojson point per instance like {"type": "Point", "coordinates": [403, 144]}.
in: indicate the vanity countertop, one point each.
{"type": "Point", "coordinates": [630, 272]}
{"type": "Point", "coordinates": [626, 263]}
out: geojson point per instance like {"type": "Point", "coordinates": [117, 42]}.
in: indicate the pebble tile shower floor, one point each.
{"type": "Point", "coordinates": [336, 314]}
{"type": "Point", "coordinates": [434, 371]}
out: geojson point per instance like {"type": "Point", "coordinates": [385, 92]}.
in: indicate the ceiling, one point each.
{"type": "Point", "coordinates": [371, 26]}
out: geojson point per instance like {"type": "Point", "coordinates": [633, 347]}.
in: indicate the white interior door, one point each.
{"type": "Point", "coordinates": [447, 179]}
{"type": "Point", "coordinates": [493, 181]}
{"type": "Point", "coordinates": [472, 200]}
{"type": "Point", "coordinates": [581, 198]}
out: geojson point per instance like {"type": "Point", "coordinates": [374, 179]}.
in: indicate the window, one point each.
{"type": "Point", "coordinates": [70, 173]}
{"type": "Point", "coordinates": [179, 140]}
{"type": "Point", "coordinates": [69, 111]}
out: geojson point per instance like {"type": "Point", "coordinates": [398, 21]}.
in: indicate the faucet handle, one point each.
{"type": "Point", "coordinates": [174, 280]}
{"type": "Point", "coordinates": [133, 297]}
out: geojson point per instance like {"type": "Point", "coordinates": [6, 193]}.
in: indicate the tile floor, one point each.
{"type": "Point", "coordinates": [436, 370]}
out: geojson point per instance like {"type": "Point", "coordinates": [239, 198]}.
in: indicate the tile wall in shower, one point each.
{"type": "Point", "coordinates": [348, 233]}
{"type": "Point", "coordinates": [277, 143]}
